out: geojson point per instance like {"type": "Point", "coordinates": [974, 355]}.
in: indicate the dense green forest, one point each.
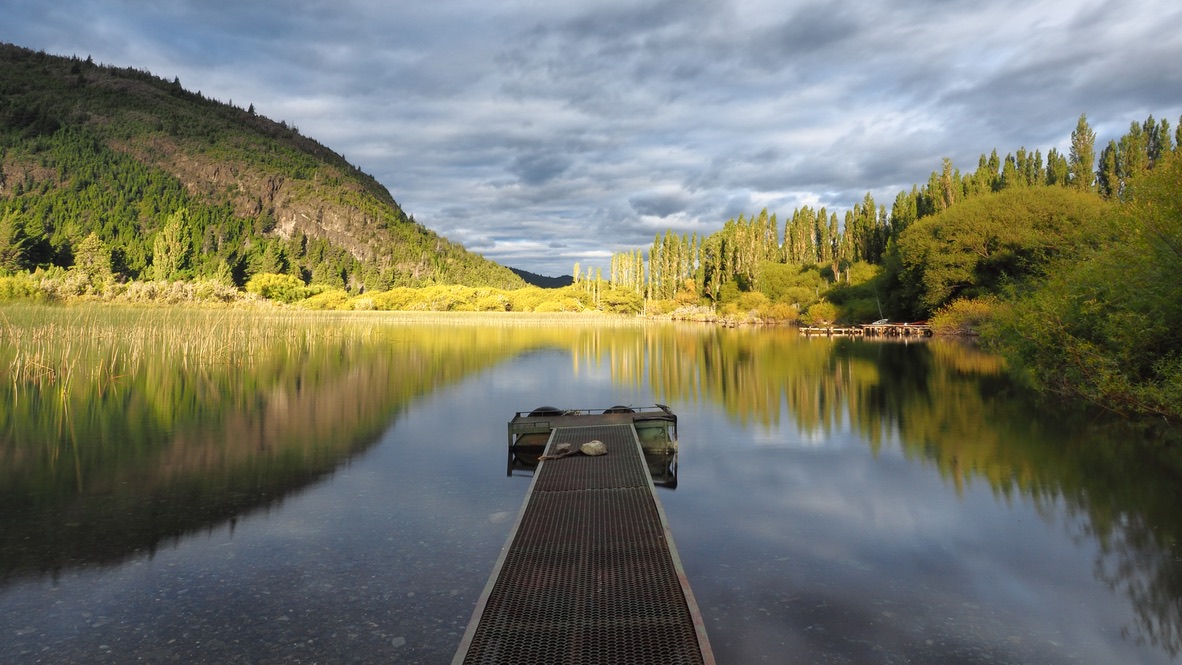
{"type": "Point", "coordinates": [128, 169]}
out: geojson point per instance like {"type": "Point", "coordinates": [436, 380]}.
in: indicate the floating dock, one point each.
{"type": "Point", "coordinates": [589, 573]}
{"type": "Point", "coordinates": [885, 330]}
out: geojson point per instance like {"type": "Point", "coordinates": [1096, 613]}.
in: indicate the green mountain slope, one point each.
{"type": "Point", "coordinates": [86, 148]}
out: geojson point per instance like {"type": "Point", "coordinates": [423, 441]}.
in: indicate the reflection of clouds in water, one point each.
{"type": "Point", "coordinates": [858, 534]}
{"type": "Point", "coordinates": [554, 378]}
{"type": "Point", "coordinates": [594, 373]}
{"type": "Point", "coordinates": [788, 435]}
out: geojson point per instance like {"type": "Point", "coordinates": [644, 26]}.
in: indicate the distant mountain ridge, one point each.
{"type": "Point", "coordinates": [118, 153]}
{"type": "Point", "coordinates": [543, 281]}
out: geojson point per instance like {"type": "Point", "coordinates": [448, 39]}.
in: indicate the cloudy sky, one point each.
{"type": "Point", "coordinates": [541, 133]}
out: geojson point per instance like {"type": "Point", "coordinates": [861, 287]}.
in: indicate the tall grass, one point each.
{"type": "Point", "coordinates": [43, 346]}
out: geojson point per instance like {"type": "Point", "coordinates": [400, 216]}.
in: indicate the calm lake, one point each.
{"type": "Point", "coordinates": [342, 496]}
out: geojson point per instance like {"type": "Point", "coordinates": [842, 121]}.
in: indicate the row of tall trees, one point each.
{"type": "Point", "coordinates": [1135, 153]}
{"type": "Point", "coordinates": [868, 232]}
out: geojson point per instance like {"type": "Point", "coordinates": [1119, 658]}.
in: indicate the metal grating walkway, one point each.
{"type": "Point", "coordinates": [590, 574]}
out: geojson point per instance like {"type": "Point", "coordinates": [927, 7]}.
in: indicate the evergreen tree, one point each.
{"type": "Point", "coordinates": [172, 248]}
{"type": "Point", "coordinates": [93, 259]}
{"type": "Point", "coordinates": [324, 274]}
{"type": "Point", "coordinates": [12, 243]}
{"type": "Point", "coordinates": [272, 260]}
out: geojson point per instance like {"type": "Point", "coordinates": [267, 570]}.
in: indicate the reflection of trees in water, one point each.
{"type": "Point", "coordinates": [142, 448]}
{"type": "Point", "coordinates": [950, 406]}
{"type": "Point", "coordinates": [1137, 563]}
{"type": "Point", "coordinates": [1125, 497]}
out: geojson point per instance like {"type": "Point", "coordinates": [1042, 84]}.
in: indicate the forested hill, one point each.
{"type": "Point", "coordinates": [119, 153]}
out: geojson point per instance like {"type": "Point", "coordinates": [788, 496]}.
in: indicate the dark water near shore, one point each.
{"type": "Point", "coordinates": [837, 502]}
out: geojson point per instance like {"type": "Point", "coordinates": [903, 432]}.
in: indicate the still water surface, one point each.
{"type": "Point", "coordinates": [837, 502]}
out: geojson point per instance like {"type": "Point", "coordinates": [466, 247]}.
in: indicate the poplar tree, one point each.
{"type": "Point", "coordinates": [1083, 155]}
{"type": "Point", "coordinates": [1009, 172]}
{"type": "Point", "coordinates": [949, 185]}
{"type": "Point", "coordinates": [904, 211]}
{"type": "Point", "coordinates": [994, 168]}
{"type": "Point", "coordinates": [1108, 173]}
{"type": "Point", "coordinates": [1157, 139]}
{"type": "Point", "coordinates": [1057, 169]}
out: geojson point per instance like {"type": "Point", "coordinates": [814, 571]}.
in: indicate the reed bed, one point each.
{"type": "Point", "coordinates": [44, 346]}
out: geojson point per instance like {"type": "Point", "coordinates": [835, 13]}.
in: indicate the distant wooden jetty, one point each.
{"type": "Point", "coordinates": [878, 329]}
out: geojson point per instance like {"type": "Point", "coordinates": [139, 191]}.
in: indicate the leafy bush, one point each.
{"type": "Point", "coordinates": [567, 304]}
{"type": "Point", "coordinates": [396, 299]}
{"type": "Point", "coordinates": [790, 284]}
{"type": "Point", "coordinates": [753, 301]}
{"type": "Point", "coordinates": [1107, 326]}
{"type": "Point", "coordinates": [860, 310]}
{"type": "Point", "coordinates": [214, 290]}
{"type": "Point", "coordinates": [980, 246]}
{"type": "Point", "coordinates": [19, 287]}
{"type": "Point", "coordinates": [779, 312]}
{"type": "Point", "coordinates": [493, 302]}
{"type": "Point", "coordinates": [621, 301]}
{"type": "Point", "coordinates": [282, 288]}
{"type": "Point", "coordinates": [823, 313]}
{"type": "Point", "coordinates": [329, 299]}
{"type": "Point", "coordinates": [444, 299]}
{"type": "Point", "coordinates": [661, 307]}
{"type": "Point", "coordinates": [963, 316]}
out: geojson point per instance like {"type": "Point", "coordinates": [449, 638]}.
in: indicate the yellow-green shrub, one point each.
{"type": "Point", "coordinates": [19, 287]}
{"type": "Point", "coordinates": [963, 316]}
{"type": "Point", "coordinates": [330, 299]}
{"type": "Point", "coordinates": [283, 288]}
{"type": "Point", "coordinates": [823, 313]}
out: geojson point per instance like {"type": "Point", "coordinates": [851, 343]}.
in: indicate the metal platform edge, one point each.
{"type": "Point", "coordinates": [682, 579]}
{"type": "Point", "coordinates": [688, 594]}
{"type": "Point", "coordinates": [482, 603]}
